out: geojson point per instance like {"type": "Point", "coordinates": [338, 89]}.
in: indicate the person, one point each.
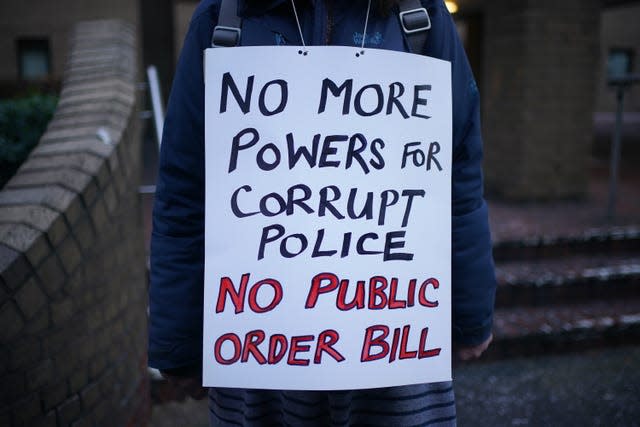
{"type": "Point", "coordinates": [177, 246]}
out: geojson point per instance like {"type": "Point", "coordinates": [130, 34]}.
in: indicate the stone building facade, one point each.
{"type": "Point", "coordinates": [38, 30]}
{"type": "Point", "coordinates": [619, 50]}
{"type": "Point", "coordinates": [540, 70]}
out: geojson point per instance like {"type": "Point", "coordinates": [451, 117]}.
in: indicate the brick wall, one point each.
{"type": "Point", "coordinates": [540, 80]}
{"type": "Point", "coordinates": [72, 265]}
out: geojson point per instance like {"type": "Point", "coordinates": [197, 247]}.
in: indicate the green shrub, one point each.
{"type": "Point", "coordinates": [22, 122]}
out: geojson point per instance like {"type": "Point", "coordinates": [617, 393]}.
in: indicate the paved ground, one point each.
{"type": "Point", "coordinates": [189, 413]}
{"type": "Point", "coordinates": [596, 388]}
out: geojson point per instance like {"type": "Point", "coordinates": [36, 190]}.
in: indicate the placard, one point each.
{"type": "Point", "coordinates": [328, 218]}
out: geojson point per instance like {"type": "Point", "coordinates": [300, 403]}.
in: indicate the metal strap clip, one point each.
{"type": "Point", "coordinates": [225, 36]}
{"type": "Point", "coordinates": [415, 20]}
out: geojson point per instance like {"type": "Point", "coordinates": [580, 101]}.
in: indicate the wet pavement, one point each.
{"type": "Point", "coordinates": [594, 388]}
{"type": "Point", "coordinates": [188, 413]}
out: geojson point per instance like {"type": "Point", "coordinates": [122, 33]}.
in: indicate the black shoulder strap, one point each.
{"type": "Point", "coordinates": [415, 23]}
{"type": "Point", "coordinates": [227, 32]}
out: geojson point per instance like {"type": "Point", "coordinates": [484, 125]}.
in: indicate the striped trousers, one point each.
{"type": "Point", "coordinates": [406, 406]}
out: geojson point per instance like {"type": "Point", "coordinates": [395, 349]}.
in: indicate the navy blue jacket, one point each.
{"type": "Point", "coordinates": [177, 244]}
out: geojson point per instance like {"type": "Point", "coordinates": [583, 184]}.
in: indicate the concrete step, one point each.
{"type": "Point", "coordinates": [530, 331]}
{"type": "Point", "coordinates": [606, 240]}
{"type": "Point", "coordinates": [571, 279]}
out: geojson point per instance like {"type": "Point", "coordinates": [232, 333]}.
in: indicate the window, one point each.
{"type": "Point", "coordinates": [33, 59]}
{"type": "Point", "coordinates": [619, 62]}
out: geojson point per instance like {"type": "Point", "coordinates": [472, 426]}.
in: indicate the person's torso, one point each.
{"type": "Point", "coordinates": [338, 23]}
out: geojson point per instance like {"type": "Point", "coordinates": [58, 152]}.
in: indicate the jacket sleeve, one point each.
{"type": "Point", "coordinates": [473, 274]}
{"type": "Point", "coordinates": [177, 240]}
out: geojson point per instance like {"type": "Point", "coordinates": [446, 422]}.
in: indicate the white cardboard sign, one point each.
{"type": "Point", "coordinates": [328, 218]}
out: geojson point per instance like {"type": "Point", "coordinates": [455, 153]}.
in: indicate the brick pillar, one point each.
{"type": "Point", "coordinates": [539, 91]}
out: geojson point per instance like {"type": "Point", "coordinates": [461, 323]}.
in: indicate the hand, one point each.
{"type": "Point", "coordinates": [190, 386]}
{"type": "Point", "coordinates": [473, 352]}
